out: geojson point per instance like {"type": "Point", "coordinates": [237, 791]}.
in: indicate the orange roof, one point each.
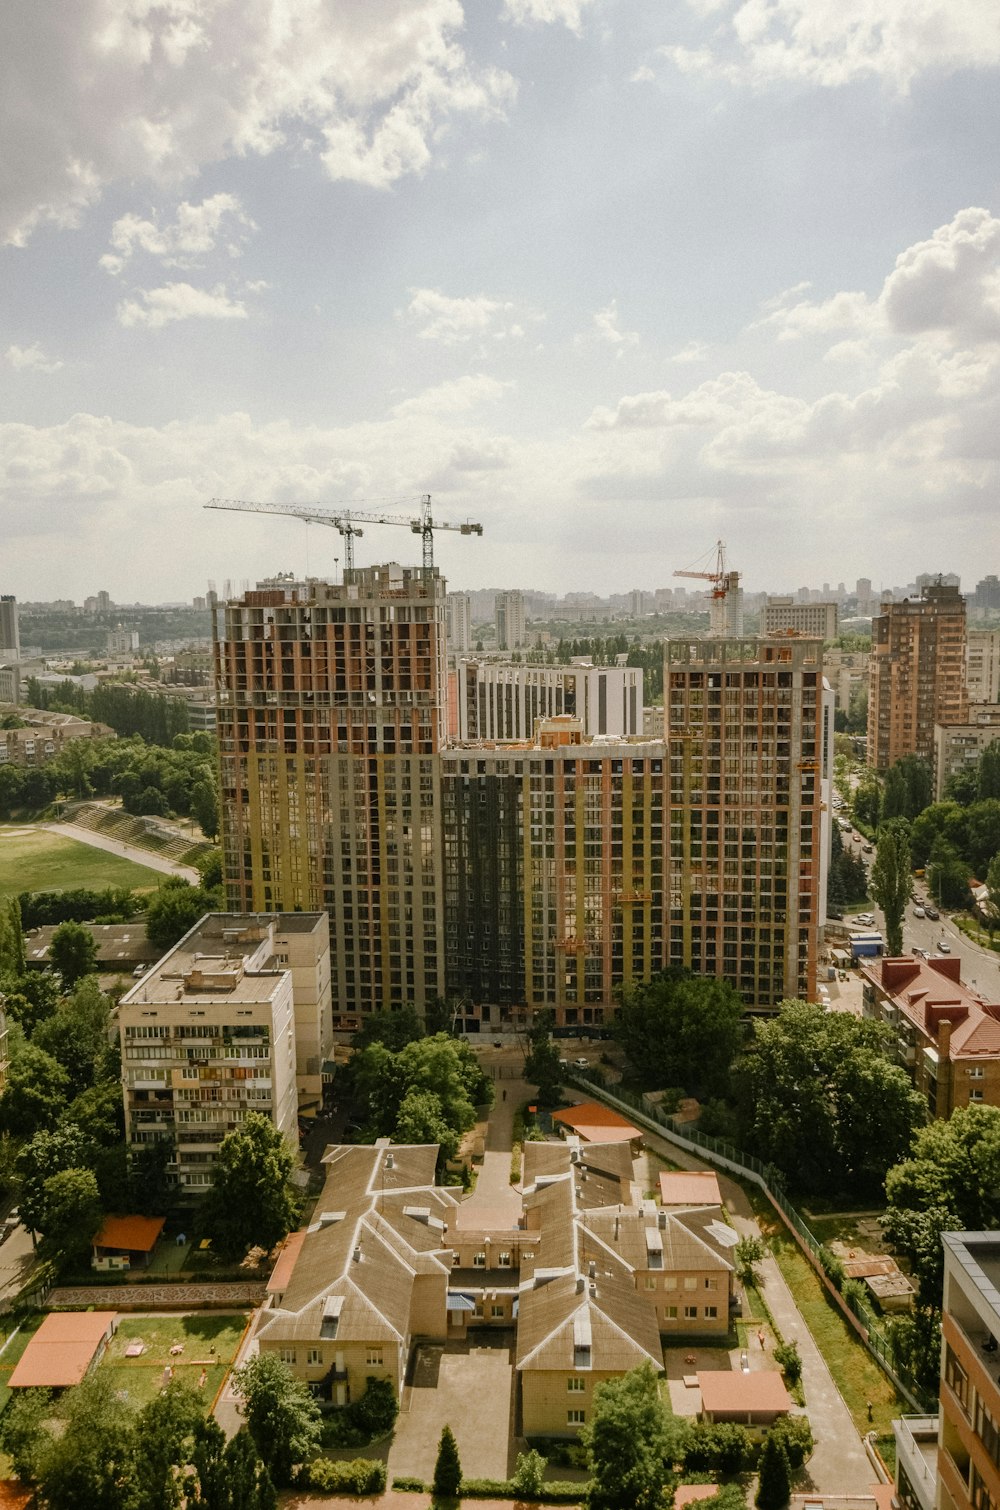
{"type": "Point", "coordinates": [136, 1234]}
{"type": "Point", "coordinates": [597, 1123]}
{"type": "Point", "coordinates": [687, 1494]}
{"type": "Point", "coordinates": [14, 1496]}
{"type": "Point", "coordinates": [762, 1390]}
{"type": "Point", "coordinates": [690, 1187]}
{"type": "Point", "coordinates": [62, 1350]}
{"type": "Point", "coordinates": [285, 1263]}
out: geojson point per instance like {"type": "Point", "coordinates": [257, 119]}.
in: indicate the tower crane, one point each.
{"type": "Point", "coordinates": [718, 576]}
{"type": "Point", "coordinates": [347, 520]}
{"type": "Point", "coordinates": [726, 612]}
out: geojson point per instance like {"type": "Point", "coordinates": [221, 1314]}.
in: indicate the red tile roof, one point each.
{"type": "Point", "coordinates": [285, 1263]}
{"type": "Point", "coordinates": [690, 1187]}
{"type": "Point", "coordinates": [62, 1350]}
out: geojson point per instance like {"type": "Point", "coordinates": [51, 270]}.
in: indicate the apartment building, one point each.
{"type": "Point", "coordinates": [846, 671]}
{"type": "Point", "coordinates": [215, 1029]}
{"type": "Point", "coordinates": [946, 1035]}
{"type": "Point", "coordinates": [508, 615]}
{"type": "Point", "coordinates": [917, 674]}
{"type": "Point", "coordinates": [969, 1431]}
{"type": "Point", "coordinates": [45, 736]}
{"type": "Point", "coordinates": [10, 634]}
{"type": "Point", "coordinates": [749, 730]}
{"type": "Point", "coordinates": [458, 620]}
{"type": "Point", "coordinates": [982, 665]}
{"type": "Point", "coordinates": [959, 746]}
{"type": "Point", "coordinates": [782, 614]}
{"type": "Point", "coordinates": [553, 872]}
{"type": "Point", "coordinates": [331, 711]}
{"type": "Point", "coordinates": [502, 700]}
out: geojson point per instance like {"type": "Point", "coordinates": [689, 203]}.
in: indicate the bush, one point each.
{"type": "Point", "coordinates": [447, 1468]}
{"type": "Point", "coordinates": [795, 1435]}
{"type": "Point", "coordinates": [529, 1474]}
{"type": "Point", "coordinates": [405, 1481]}
{"type": "Point", "coordinates": [832, 1267]}
{"type": "Point", "coordinates": [364, 1420]}
{"type": "Point", "coordinates": [720, 1446]}
{"type": "Point", "coordinates": [787, 1354]}
{"type": "Point", "coordinates": [356, 1476]}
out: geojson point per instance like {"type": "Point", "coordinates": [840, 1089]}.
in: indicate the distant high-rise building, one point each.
{"type": "Point", "coordinates": [10, 637]}
{"type": "Point", "coordinates": [331, 709]}
{"type": "Point", "coordinates": [917, 674]}
{"type": "Point", "coordinates": [104, 603]}
{"type": "Point", "coordinates": [508, 613]}
{"type": "Point", "coordinates": [986, 598]}
{"type": "Point", "coordinates": [725, 618]}
{"type": "Point", "coordinates": [982, 665]}
{"type": "Point", "coordinates": [458, 618]}
{"type": "Point", "coordinates": [815, 619]}
{"type": "Point", "coordinates": [749, 730]}
{"type": "Point", "coordinates": [937, 579]}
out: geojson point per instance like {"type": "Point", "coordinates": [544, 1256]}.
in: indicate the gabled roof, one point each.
{"type": "Point", "coordinates": [62, 1350]}
{"type": "Point", "coordinates": [597, 1123]}
{"type": "Point", "coordinates": [134, 1234]}
{"type": "Point", "coordinates": [618, 1323]}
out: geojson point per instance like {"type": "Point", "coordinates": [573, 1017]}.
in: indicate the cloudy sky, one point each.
{"type": "Point", "coordinates": [613, 277]}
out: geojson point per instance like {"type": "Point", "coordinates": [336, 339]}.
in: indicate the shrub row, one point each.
{"type": "Point", "coordinates": [356, 1476]}
{"type": "Point", "coordinates": [553, 1492]}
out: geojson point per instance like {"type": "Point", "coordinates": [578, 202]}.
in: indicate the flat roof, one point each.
{"type": "Point", "coordinates": [690, 1187]}
{"type": "Point", "coordinates": [285, 1262]}
{"type": "Point", "coordinates": [762, 1390]}
{"type": "Point", "coordinates": [136, 1234]}
{"type": "Point", "coordinates": [62, 1350]}
{"type": "Point", "coordinates": [597, 1123]}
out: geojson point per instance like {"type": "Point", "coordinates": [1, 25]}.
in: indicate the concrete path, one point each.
{"type": "Point", "coordinates": [839, 1464]}
{"type": "Point", "coordinates": [495, 1202]}
{"type": "Point", "coordinates": [127, 851]}
{"type": "Point", "coordinates": [469, 1388]}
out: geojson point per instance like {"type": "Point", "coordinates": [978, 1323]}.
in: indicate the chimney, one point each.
{"type": "Point", "coordinates": [579, 1284]}
{"type": "Point", "coordinates": [357, 1254]}
{"type": "Point", "coordinates": [592, 1269]}
{"type": "Point", "coordinates": [661, 1221]}
{"type": "Point", "coordinates": [944, 1039]}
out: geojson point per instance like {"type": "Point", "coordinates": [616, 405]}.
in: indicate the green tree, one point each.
{"type": "Point", "coordinates": [205, 808]}
{"type": "Point", "coordinates": [11, 938]}
{"type": "Point", "coordinates": [988, 773]}
{"type": "Point", "coordinates": [72, 1215]}
{"type": "Point", "coordinates": [47, 1153]}
{"type": "Point", "coordinates": [250, 1200]}
{"type": "Point", "coordinates": [73, 953]}
{"type": "Point", "coordinates": [949, 1182]}
{"type": "Point", "coordinates": [748, 1255]}
{"type": "Point", "coordinates": [174, 908]}
{"type": "Point", "coordinates": [628, 1443]}
{"type": "Point", "coordinates": [867, 801]}
{"type": "Point", "coordinates": [281, 1415]}
{"type": "Point", "coordinates": [915, 1342]}
{"type": "Point", "coordinates": [77, 1036]}
{"type": "Point", "coordinates": [392, 1029]}
{"type": "Point", "coordinates": [983, 831]}
{"type": "Point", "coordinates": [891, 883]}
{"type": "Point", "coordinates": [447, 1466]}
{"type": "Point", "coordinates": [23, 1434]}
{"type": "Point", "coordinates": [992, 911]}
{"type": "Point", "coordinates": [529, 1475]}
{"type": "Point", "coordinates": [947, 874]}
{"type": "Point", "coordinates": [681, 1030]}
{"type": "Point", "coordinates": [774, 1487]}
{"type": "Point", "coordinates": [541, 1066]}
{"type": "Point", "coordinates": [35, 1093]}
{"type": "Point", "coordinates": [421, 1120]}
{"type": "Point", "coordinates": [165, 1429]}
{"type": "Point", "coordinates": [91, 1460]}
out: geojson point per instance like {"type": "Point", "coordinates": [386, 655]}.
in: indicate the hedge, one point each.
{"type": "Point", "coordinates": [555, 1492]}
{"type": "Point", "coordinates": [357, 1476]}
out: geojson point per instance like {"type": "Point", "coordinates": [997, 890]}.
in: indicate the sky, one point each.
{"type": "Point", "coordinates": [613, 278]}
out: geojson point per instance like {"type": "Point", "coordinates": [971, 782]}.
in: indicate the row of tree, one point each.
{"type": "Point", "coordinates": [124, 707]}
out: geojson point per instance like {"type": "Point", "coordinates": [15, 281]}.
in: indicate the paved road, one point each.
{"type": "Point", "coordinates": [127, 851]}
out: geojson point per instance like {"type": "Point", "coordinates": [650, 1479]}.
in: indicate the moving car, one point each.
{"type": "Point", "coordinates": [943, 946]}
{"type": "Point", "coordinates": [918, 912]}
{"type": "Point", "coordinates": [932, 913]}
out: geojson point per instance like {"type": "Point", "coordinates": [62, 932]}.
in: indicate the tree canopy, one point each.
{"type": "Point", "coordinates": [250, 1201]}
{"type": "Point", "coordinates": [681, 1030]}
{"type": "Point", "coordinates": [281, 1415]}
{"type": "Point", "coordinates": [174, 908]}
{"type": "Point", "coordinates": [629, 1444]}
{"type": "Point", "coordinates": [73, 952]}
{"type": "Point", "coordinates": [891, 883]}
{"type": "Point", "coordinates": [832, 1074]}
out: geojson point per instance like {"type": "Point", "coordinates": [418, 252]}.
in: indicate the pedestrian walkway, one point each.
{"type": "Point", "coordinates": [495, 1202]}
{"type": "Point", "coordinates": [132, 852]}
{"type": "Point", "coordinates": [139, 1297]}
{"type": "Point", "coordinates": [839, 1463]}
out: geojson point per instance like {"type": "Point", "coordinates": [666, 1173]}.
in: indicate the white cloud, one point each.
{"type": "Point", "coordinates": [105, 90]}
{"type": "Point", "coordinates": [195, 233]}
{"type": "Point", "coordinates": [439, 317]}
{"type": "Point", "coordinates": [30, 359]}
{"type": "Point", "coordinates": [835, 42]}
{"type": "Point", "coordinates": [157, 307]}
{"type": "Point", "coordinates": [604, 328]}
{"type": "Point", "coordinates": [693, 351]}
{"type": "Point", "coordinates": [454, 397]}
{"type": "Point", "coordinates": [567, 12]}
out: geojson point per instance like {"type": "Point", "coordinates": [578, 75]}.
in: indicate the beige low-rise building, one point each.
{"type": "Point", "coordinates": [958, 746]}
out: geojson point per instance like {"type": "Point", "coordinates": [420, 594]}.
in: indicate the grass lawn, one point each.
{"type": "Point", "coordinates": [209, 1345]}
{"type": "Point", "coordinates": [855, 1372]}
{"type": "Point", "coordinates": [12, 1349]}
{"type": "Point", "coordinates": [41, 861]}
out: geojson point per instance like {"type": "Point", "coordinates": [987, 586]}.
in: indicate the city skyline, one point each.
{"type": "Point", "coordinates": [613, 281]}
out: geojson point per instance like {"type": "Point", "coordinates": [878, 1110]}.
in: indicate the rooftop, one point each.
{"type": "Point", "coordinates": [596, 1123]}
{"type": "Point", "coordinates": [62, 1350]}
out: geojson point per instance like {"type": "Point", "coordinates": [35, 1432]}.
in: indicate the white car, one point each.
{"type": "Point", "coordinates": [943, 946]}
{"type": "Point", "coordinates": [582, 1064]}
{"type": "Point", "coordinates": [918, 912]}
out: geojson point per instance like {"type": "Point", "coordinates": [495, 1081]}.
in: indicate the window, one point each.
{"type": "Point", "coordinates": [975, 1095]}
{"type": "Point", "coordinates": [576, 1386]}
{"type": "Point", "coordinates": [956, 1378]}
{"type": "Point", "coordinates": [314, 1355]}
{"type": "Point", "coordinates": [576, 1417]}
{"type": "Point", "coordinates": [670, 1281]}
{"type": "Point", "coordinates": [690, 1282]}
{"type": "Point", "coordinates": [711, 1284]}
{"type": "Point", "coordinates": [479, 1261]}
{"type": "Point", "coordinates": [711, 1312]}
{"type": "Point", "coordinates": [670, 1313]}
{"type": "Point", "coordinates": [373, 1357]}
{"type": "Point", "coordinates": [504, 1261]}
{"type": "Point", "coordinates": [456, 1260]}
{"type": "Point", "coordinates": [497, 1312]}
{"type": "Point", "coordinates": [690, 1313]}
{"type": "Point", "coordinates": [287, 1355]}
{"type": "Point", "coordinates": [650, 1281]}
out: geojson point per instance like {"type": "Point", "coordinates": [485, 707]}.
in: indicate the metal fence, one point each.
{"type": "Point", "coordinates": [862, 1319]}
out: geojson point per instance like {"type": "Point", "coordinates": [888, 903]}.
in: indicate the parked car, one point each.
{"type": "Point", "coordinates": [932, 913]}
{"type": "Point", "coordinates": [581, 1063]}
{"type": "Point", "coordinates": [918, 912]}
{"type": "Point", "coordinates": [867, 849]}
{"type": "Point", "coordinates": [943, 946]}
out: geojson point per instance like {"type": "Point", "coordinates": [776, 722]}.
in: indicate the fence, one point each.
{"type": "Point", "coordinates": [856, 1313]}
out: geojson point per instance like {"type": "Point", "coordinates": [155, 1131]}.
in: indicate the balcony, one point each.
{"type": "Point", "coordinates": [916, 1456]}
